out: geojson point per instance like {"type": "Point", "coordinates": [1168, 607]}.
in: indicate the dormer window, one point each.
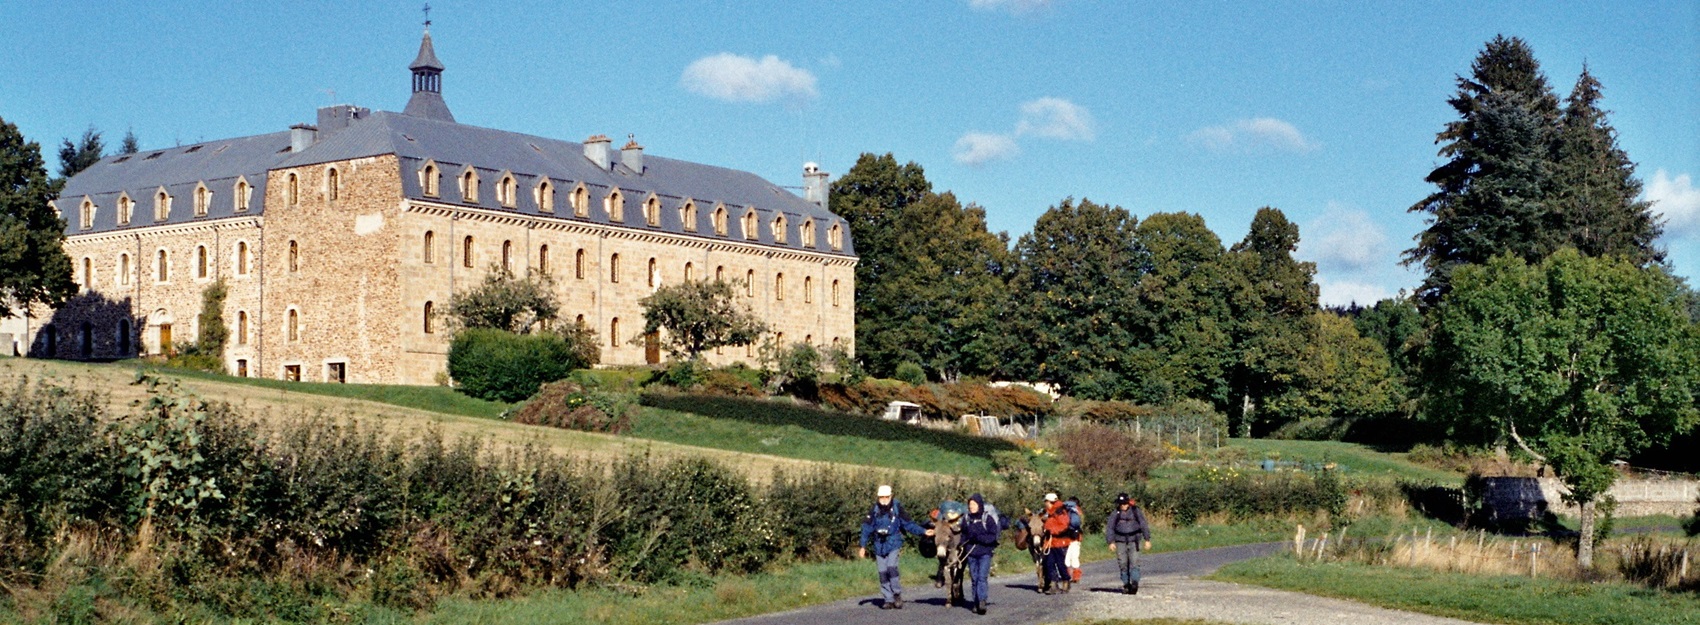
{"type": "Point", "coordinates": [652, 211]}
{"type": "Point", "coordinates": [807, 233]}
{"type": "Point", "coordinates": [333, 184]}
{"type": "Point", "coordinates": [161, 206]}
{"type": "Point", "coordinates": [720, 220]}
{"type": "Point", "coordinates": [203, 197]}
{"type": "Point", "coordinates": [241, 195]}
{"type": "Point", "coordinates": [86, 216]}
{"type": "Point", "coordinates": [469, 186]}
{"type": "Point", "coordinates": [688, 216]}
{"type": "Point", "coordinates": [428, 179]}
{"type": "Point", "coordinates": [835, 236]}
{"type": "Point", "coordinates": [750, 224]}
{"type": "Point", "coordinates": [125, 208]}
{"type": "Point", "coordinates": [581, 201]}
{"type": "Point", "coordinates": [615, 206]}
{"type": "Point", "coordinates": [506, 188]}
{"type": "Point", "coordinates": [545, 196]}
{"type": "Point", "coordinates": [779, 229]}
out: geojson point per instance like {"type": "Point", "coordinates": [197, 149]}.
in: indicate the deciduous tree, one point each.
{"type": "Point", "coordinates": [505, 302]}
{"type": "Point", "coordinates": [1273, 299]}
{"type": "Point", "coordinates": [698, 316]}
{"type": "Point", "coordinates": [33, 266]}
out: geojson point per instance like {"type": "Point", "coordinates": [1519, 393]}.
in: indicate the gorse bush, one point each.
{"type": "Point", "coordinates": [498, 365]}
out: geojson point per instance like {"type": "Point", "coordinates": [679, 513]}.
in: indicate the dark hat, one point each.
{"type": "Point", "coordinates": [1121, 499]}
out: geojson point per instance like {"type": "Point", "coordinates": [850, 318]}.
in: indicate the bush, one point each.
{"type": "Point", "coordinates": [911, 373]}
{"type": "Point", "coordinates": [570, 406]}
{"type": "Point", "coordinates": [498, 365]}
{"type": "Point", "coordinates": [1109, 453]}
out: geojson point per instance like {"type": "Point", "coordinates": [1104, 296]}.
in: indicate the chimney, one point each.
{"type": "Point", "coordinates": [334, 118]}
{"type": "Point", "coordinates": [814, 185]}
{"type": "Point", "coordinates": [596, 149]}
{"type": "Point", "coordinates": [632, 155]}
{"type": "Point", "coordinates": [302, 136]}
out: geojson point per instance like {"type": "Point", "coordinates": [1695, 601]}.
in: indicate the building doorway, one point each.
{"type": "Point", "coordinates": [652, 348]}
{"type": "Point", "coordinates": [336, 372]}
{"type": "Point", "coordinates": [165, 339]}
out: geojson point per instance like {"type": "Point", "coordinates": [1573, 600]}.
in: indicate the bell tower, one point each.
{"type": "Point", "coordinates": [427, 100]}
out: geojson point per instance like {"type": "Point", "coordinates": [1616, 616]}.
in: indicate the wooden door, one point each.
{"type": "Point", "coordinates": [165, 339]}
{"type": "Point", "coordinates": [652, 348]}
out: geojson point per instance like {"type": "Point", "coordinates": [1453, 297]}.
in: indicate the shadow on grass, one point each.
{"type": "Point", "coordinates": [430, 398]}
{"type": "Point", "coordinates": [831, 423]}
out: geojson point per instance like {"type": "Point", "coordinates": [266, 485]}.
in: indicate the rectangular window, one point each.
{"type": "Point", "coordinates": [292, 373]}
{"type": "Point", "coordinates": [336, 373]}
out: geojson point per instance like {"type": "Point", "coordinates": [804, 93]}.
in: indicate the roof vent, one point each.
{"type": "Point", "coordinates": [596, 149]}
{"type": "Point", "coordinates": [302, 136]}
{"type": "Point", "coordinates": [632, 155]}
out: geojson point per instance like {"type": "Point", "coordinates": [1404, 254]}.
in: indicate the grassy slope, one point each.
{"type": "Point", "coordinates": [1515, 600]}
{"type": "Point", "coordinates": [1354, 458]}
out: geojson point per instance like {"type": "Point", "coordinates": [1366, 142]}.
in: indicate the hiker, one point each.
{"type": "Point", "coordinates": [980, 530]}
{"type": "Point", "coordinates": [884, 527]}
{"type": "Point", "coordinates": [1057, 535]}
{"type": "Point", "coordinates": [1128, 534]}
{"type": "Point", "coordinates": [1072, 558]}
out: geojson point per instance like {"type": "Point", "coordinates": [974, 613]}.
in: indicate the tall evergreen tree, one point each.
{"type": "Point", "coordinates": [130, 144]}
{"type": "Point", "coordinates": [1076, 289]}
{"type": "Point", "coordinates": [75, 157]}
{"type": "Point", "coordinates": [33, 266]}
{"type": "Point", "coordinates": [1494, 188]}
{"type": "Point", "coordinates": [1598, 203]}
{"type": "Point", "coordinates": [1272, 304]}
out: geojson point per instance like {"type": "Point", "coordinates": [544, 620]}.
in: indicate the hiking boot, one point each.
{"type": "Point", "coordinates": [886, 605]}
{"type": "Point", "coordinates": [1133, 588]}
{"type": "Point", "coordinates": [897, 602]}
{"type": "Point", "coordinates": [980, 607]}
{"type": "Point", "coordinates": [1127, 588]}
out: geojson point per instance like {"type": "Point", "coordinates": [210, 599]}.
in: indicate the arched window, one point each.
{"type": "Point", "coordinates": [332, 184]}
{"type": "Point", "coordinates": [581, 202]}
{"type": "Point", "coordinates": [614, 268]}
{"type": "Point", "coordinates": [294, 256]}
{"type": "Point", "coordinates": [688, 216]}
{"type": "Point", "coordinates": [652, 211]}
{"type": "Point", "coordinates": [750, 283]}
{"type": "Point", "coordinates": [614, 333]}
{"type": "Point", "coordinates": [808, 289]}
{"type": "Point", "coordinates": [779, 287]}
{"type": "Point", "coordinates": [241, 327]}
{"type": "Point", "coordinates": [123, 268]}
{"type": "Point", "coordinates": [428, 179]}
{"type": "Point", "coordinates": [200, 261]}
{"type": "Point", "coordinates": [241, 258]}
{"type": "Point", "coordinates": [779, 229]}
{"type": "Point", "coordinates": [508, 256]}
{"type": "Point", "coordinates": [469, 186]}
{"type": "Point", "coordinates": [654, 274]}
{"type": "Point", "coordinates": [430, 247]}
{"type": "Point", "coordinates": [429, 323]}
{"type": "Point", "coordinates": [202, 198]}
{"type": "Point", "coordinates": [161, 206]}
{"type": "Point", "coordinates": [241, 195]}
{"type": "Point", "coordinates": [88, 273]}
{"type": "Point", "coordinates": [835, 236]}
{"type": "Point", "coordinates": [466, 252]}
{"type": "Point", "coordinates": [807, 233]}
{"type": "Point", "coordinates": [545, 196]}
{"type": "Point", "coordinates": [543, 260]}
{"type": "Point", "coordinates": [615, 206]}
{"type": "Point", "coordinates": [163, 272]}
{"type": "Point", "coordinates": [834, 292]}
{"type": "Point", "coordinates": [506, 191]}
{"type": "Point", "coordinates": [690, 272]}
{"type": "Point", "coordinates": [294, 329]}
{"type": "Point", "coordinates": [720, 220]}
{"type": "Point", "coordinates": [125, 208]}
{"type": "Point", "coordinates": [750, 224]}
{"type": "Point", "coordinates": [85, 216]}
{"type": "Point", "coordinates": [292, 191]}
{"type": "Point", "coordinates": [719, 273]}
{"type": "Point", "coordinates": [578, 264]}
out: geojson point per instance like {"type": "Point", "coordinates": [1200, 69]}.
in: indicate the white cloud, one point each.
{"type": "Point", "coordinates": [1055, 118]}
{"type": "Point", "coordinates": [1344, 239]}
{"type": "Point", "coordinates": [979, 148]}
{"type": "Point", "coordinates": [734, 78]}
{"type": "Point", "coordinates": [1013, 6]}
{"type": "Point", "coordinates": [1345, 292]}
{"type": "Point", "coordinates": [1257, 133]}
{"type": "Point", "coordinates": [1678, 199]}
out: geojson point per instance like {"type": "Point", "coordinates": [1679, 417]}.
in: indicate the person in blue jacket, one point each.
{"type": "Point", "coordinates": [884, 528]}
{"type": "Point", "coordinates": [980, 531]}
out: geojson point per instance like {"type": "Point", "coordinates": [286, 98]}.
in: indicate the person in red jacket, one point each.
{"type": "Point", "coordinates": [1057, 530]}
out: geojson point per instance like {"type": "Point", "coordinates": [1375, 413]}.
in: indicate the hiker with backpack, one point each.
{"type": "Point", "coordinates": [1128, 534]}
{"type": "Point", "coordinates": [1058, 538]}
{"type": "Point", "coordinates": [980, 530]}
{"type": "Point", "coordinates": [884, 527]}
{"type": "Point", "coordinates": [1072, 558]}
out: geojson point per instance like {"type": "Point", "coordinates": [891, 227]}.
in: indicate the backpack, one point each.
{"type": "Point", "coordinates": [1073, 521]}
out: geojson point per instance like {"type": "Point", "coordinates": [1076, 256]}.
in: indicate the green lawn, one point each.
{"type": "Point", "coordinates": [434, 398]}
{"type": "Point", "coordinates": [1353, 458]}
{"type": "Point", "coordinates": [781, 428]}
{"type": "Point", "coordinates": [1513, 600]}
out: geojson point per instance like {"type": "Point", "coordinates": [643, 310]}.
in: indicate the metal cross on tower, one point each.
{"type": "Point", "coordinates": [427, 16]}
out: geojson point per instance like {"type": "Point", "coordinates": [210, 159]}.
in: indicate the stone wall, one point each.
{"type": "Point", "coordinates": [1514, 498]}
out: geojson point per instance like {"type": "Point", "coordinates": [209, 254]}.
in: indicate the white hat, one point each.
{"type": "Point", "coordinates": [884, 491]}
{"type": "Point", "coordinates": [1050, 496]}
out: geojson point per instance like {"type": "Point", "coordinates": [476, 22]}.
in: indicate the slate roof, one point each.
{"type": "Point", "coordinates": [218, 164]}
{"type": "Point", "coordinates": [427, 58]}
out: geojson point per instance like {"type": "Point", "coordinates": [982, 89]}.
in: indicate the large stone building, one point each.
{"type": "Point", "coordinates": [341, 242]}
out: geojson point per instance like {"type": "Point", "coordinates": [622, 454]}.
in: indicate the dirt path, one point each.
{"type": "Point", "coordinates": [274, 406]}
{"type": "Point", "coordinates": [1171, 588]}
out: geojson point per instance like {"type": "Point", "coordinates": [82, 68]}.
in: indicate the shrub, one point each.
{"type": "Point", "coordinates": [569, 405]}
{"type": "Point", "coordinates": [729, 384]}
{"type": "Point", "coordinates": [911, 373]}
{"type": "Point", "coordinates": [498, 365]}
{"type": "Point", "coordinates": [796, 369]}
{"type": "Point", "coordinates": [1108, 452]}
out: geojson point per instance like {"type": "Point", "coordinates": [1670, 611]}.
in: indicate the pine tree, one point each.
{"type": "Point", "coordinates": [33, 266]}
{"type": "Point", "coordinates": [1598, 205]}
{"type": "Point", "coordinates": [130, 144]}
{"type": "Point", "coordinates": [75, 157]}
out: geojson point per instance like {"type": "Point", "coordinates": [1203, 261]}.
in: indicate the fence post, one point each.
{"type": "Point", "coordinates": [1299, 542]}
{"type": "Point", "coordinates": [1534, 560]}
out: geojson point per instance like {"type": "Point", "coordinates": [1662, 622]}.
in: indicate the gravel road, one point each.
{"type": "Point", "coordinates": [1171, 588]}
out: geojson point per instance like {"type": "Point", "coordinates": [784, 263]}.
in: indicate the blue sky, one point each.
{"type": "Point", "coordinates": [1327, 111]}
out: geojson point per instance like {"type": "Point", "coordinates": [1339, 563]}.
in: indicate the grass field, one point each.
{"type": "Point", "coordinates": [433, 398]}
{"type": "Point", "coordinates": [1495, 599]}
{"type": "Point", "coordinates": [1353, 458]}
